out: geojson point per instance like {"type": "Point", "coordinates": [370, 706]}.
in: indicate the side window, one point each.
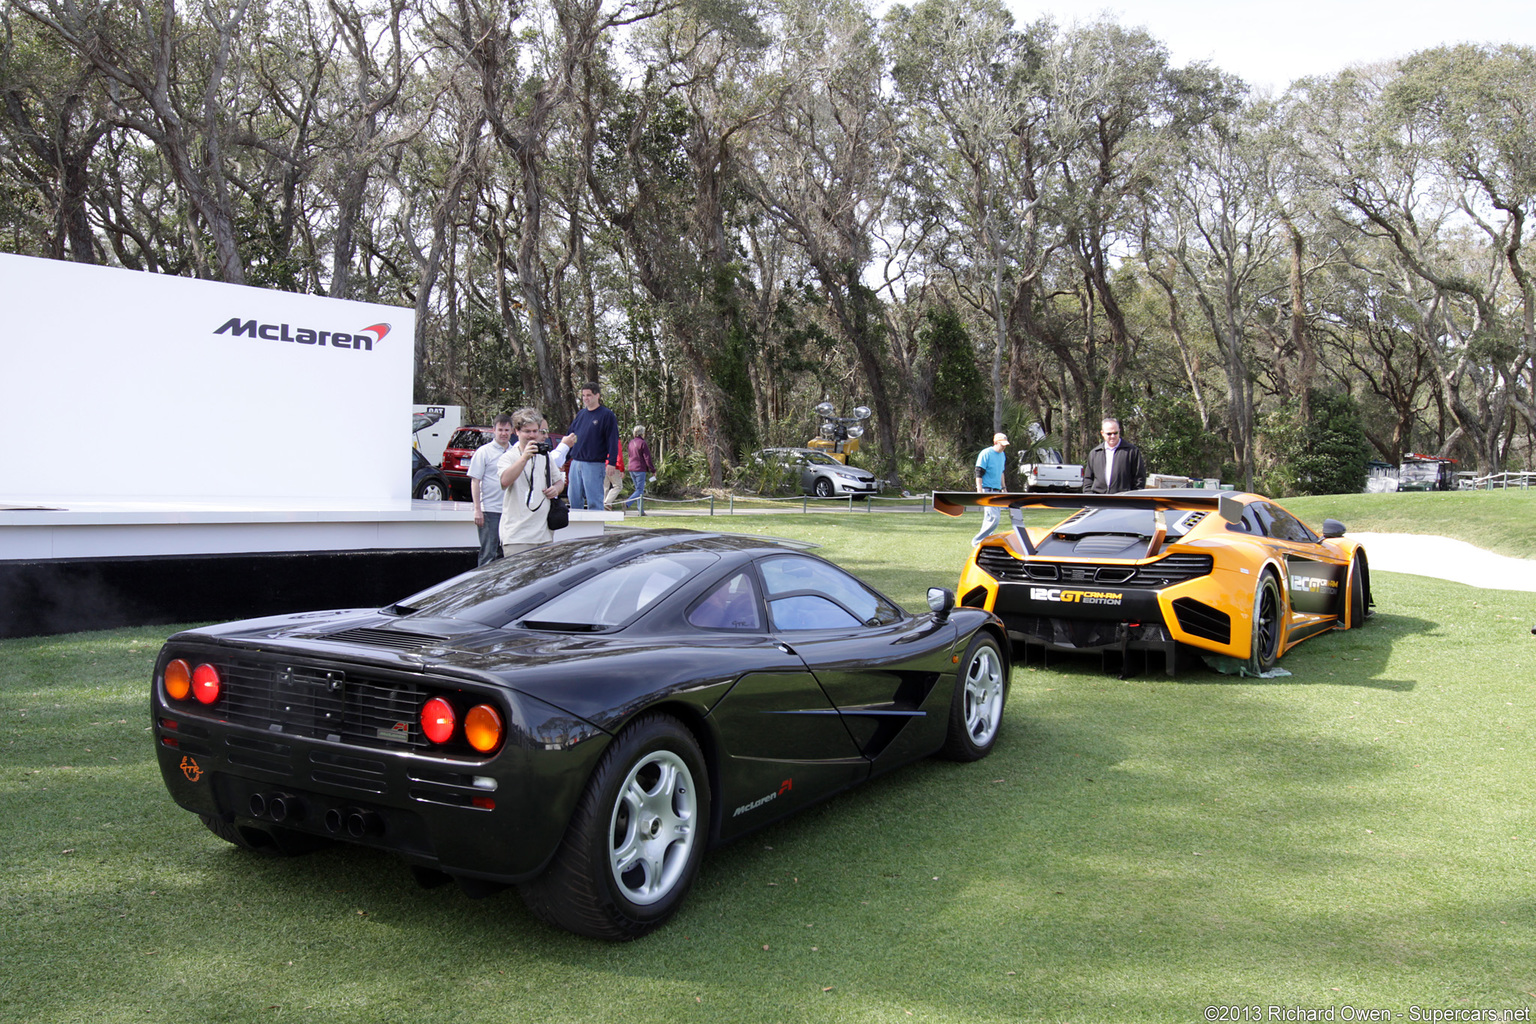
{"type": "Point", "coordinates": [731, 605]}
{"type": "Point", "coordinates": [1260, 512]}
{"type": "Point", "coordinates": [1285, 526]}
{"type": "Point", "coordinates": [817, 595]}
{"type": "Point", "coordinates": [808, 611]}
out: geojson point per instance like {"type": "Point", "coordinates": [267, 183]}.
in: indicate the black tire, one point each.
{"type": "Point", "coordinates": [976, 712]}
{"type": "Point", "coordinates": [432, 490]}
{"type": "Point", "coordinates": [1358, 587]}
{"type": "Point", "coordinates": [634, 844]}
{"type": "Point", "coordinates": [1268, 612]}
{"type": "Point", "coordinates": [823, 487]}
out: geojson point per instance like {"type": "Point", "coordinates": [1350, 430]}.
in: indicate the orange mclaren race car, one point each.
{"type": "Point", "coordinates": [1227, 574]}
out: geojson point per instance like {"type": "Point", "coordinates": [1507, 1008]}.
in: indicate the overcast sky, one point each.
{"type": "Point", "coordinates": [1272, 44]}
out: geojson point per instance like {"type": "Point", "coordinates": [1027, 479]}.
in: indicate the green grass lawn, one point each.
{"type": "Point", "coordinates": [1500, 521]}
{"type": "Point", "coordinates": [1357, 835]}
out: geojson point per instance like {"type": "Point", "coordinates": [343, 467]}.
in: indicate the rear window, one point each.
{"type": "Point", "coordinates": [619, 594]}
{"type": "Point", "coordinates": [470, 437]}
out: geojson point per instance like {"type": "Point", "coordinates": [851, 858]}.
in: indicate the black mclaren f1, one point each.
{"type": "Point", "coordinates": [581, 720]}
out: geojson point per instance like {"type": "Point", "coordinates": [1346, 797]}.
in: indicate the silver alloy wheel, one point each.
{"type": "Point", "coordinates": [983, 695]}
{"type": "Point", "coordinates": [651, 831]}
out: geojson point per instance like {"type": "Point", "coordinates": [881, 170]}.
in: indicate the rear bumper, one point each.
{"type": "Point", "coordinates": [1096, 617]}
{"type": "Point", "coordinates": [499, 820]}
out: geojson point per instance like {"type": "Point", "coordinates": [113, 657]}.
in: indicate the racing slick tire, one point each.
{"type": "Point", "coordinates": [1358, 587]}
{"type": "Point", "coordinates": [976, 712]}
{"type": "Point", "coordinates": [1268, 609]}
{"type": "Point", "coordinates": [634, 844]}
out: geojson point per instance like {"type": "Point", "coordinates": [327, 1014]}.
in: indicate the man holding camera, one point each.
{"type": "Point", "coordinates": [529, 480]}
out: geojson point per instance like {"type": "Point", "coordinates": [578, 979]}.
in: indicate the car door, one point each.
{"type": "Point", "coordinates": [807, 472]}
{"type": "Point", "coordinates": [1313, 580]}
{"type": "Point", "coordinates": [878, 665]}
{"type": "Point", "coordinates": [783, 740]}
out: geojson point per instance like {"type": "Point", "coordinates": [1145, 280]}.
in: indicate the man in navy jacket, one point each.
{"type": "Point", "coordinates": [597, 444]}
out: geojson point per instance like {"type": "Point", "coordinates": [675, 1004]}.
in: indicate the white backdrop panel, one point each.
{"type": "Point", "coordinates": [125, 385]}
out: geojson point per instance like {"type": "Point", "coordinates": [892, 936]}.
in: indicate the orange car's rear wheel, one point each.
{"type": "Point", "coordinates": [1268, 613]}
{"type": "Point", "coordinates": [1359, 586]}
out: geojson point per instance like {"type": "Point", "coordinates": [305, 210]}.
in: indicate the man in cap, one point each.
{"type": "Point", "coordinates": [989, 478]}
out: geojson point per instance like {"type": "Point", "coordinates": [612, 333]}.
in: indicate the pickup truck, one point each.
{"type": "Point", "coordinates": [1050, 473]}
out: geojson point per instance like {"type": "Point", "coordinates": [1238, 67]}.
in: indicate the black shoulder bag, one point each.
{"type": "Point", "coordinates": [559, 508]}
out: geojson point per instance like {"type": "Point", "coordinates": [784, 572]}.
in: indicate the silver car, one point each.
{"type": "Point", "coordinates": [821, 474]}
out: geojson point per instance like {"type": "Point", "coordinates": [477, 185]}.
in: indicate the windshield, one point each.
{"type": "Point", "coordinates": [1420, 471]}
{"type": "Point", "coordinates": [821, 459]}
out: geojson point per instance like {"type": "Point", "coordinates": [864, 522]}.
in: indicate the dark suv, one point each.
{"type": "Point", "coordinates": [456, 455]}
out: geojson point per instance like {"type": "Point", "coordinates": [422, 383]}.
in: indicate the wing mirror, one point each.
{"type": "Point", "coordinates": [941, 600]}
{"type": "Point", "coordinates": [1332, 528]}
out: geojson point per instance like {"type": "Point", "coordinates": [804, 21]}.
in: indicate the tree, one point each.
{"type": "Point", "coordinates": [977, 153]}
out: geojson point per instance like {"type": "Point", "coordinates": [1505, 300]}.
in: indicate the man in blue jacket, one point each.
{"type": "Point", "coordinates": [597, 444]}
{"type": "Point", "coordinates": [989, 478]}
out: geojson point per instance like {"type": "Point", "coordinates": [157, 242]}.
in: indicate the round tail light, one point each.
{"type": "Point", "coordinates": [437, 720]}
{"type": "Point", "coordinates": [178, 680]}
{"type": "Point", "coordinates": [482, 727]}
{"type": "Point", "coordinates": [206, 684]}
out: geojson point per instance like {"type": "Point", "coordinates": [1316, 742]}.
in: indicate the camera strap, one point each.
{"type": "Point", "coordinates": [528, 499]}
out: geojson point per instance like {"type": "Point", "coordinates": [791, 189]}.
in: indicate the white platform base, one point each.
{"type": "Point", "coordinates": [143, 529]}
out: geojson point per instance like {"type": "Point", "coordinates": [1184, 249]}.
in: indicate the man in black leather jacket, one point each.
{"type": "Point", "coordinates": [1114, 466]}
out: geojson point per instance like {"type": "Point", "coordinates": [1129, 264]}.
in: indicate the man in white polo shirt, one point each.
{"type": "Point", "coordinates": [485, 489]}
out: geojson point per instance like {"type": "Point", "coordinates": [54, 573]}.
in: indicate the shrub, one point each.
{"type": "Point", "coordinates": [1327, 454]}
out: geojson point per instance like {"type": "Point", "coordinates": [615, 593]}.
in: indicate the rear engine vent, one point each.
{"type": "Point", "coordinates": [976, 597]}
{"type": "Point", "coordinates": [1109, 545]}
{"type": "Point", "coordinates": [394, 639]}
{"type": "Point", "coordinates": [1191, 520]}
{"type": "Point", "coordinates": [1199, 619]}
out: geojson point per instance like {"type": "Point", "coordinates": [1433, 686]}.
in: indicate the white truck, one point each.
{"type": "Point", "coordinates": [1050, 472]}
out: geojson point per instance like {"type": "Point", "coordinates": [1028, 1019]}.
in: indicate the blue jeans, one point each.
{"type": "Point", "coordinates": [586, 484]}
{"type": "Point", "coordinates": [490, 538]}
{"type": "Point", "coordinates": [990, 516]}
{"type": "Point", "coordinates": [639, 477]}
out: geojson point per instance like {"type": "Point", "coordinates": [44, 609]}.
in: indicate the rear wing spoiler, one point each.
{"type": "Point", "coordinates": [953, 503]}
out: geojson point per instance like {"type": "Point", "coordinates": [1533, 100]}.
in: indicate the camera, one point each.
{"type": "Point", "coordinates": [541, 448]}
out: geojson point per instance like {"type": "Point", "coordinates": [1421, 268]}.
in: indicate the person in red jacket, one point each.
{"type": "Point", "coordinates": [640, 466]}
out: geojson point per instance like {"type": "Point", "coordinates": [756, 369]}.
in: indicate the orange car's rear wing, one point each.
{"type": "Point", "coordinates": [953, 503]}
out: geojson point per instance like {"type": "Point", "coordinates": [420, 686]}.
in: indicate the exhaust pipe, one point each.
{"type": "Point", "coordinates": [335, 821]}
{"type": "Point", "coordinates": [285, 807]}
{"type": "Point", "coordinates": [362, 824]}
{"type": "Point", "coordinates": [258, 805]}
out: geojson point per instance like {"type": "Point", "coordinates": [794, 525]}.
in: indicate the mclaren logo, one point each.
{"type": "Point", "coordinates": [1074, 596]}
{"type": "Point", "coordinates": [363, 340]}
{"type": "Point", "coordinates": [784, 787]}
